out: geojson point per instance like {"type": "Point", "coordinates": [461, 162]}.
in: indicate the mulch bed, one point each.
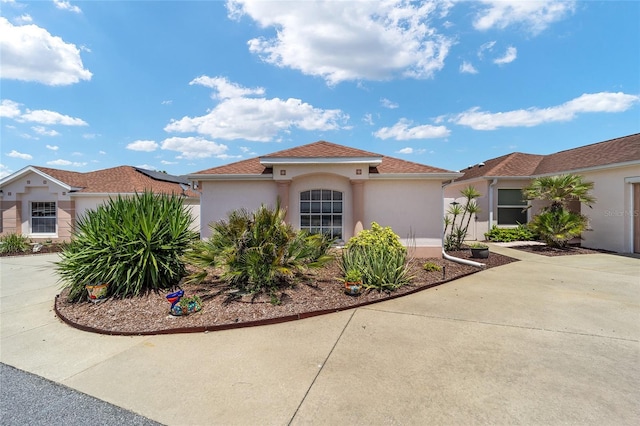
{"type": "Point", "coordinates": [317, 292]}
{"type": "Point", "coordinates": [554, 251]}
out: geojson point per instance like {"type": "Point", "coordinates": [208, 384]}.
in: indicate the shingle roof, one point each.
{"type": "Point", "coordinates": [614, 151]}
{"type": "Point", "coordinates": [116, 180]}
{"type": "Point", "coordinates": [322, 149]}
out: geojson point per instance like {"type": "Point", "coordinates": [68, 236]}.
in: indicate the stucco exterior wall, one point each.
{"type": "Point", "coordinates": [16, 207]}
{"type": "Point", "coordinates": [611, 218]}
{"type": "Point", "coordinates": [218, 198]}
{"type": "Point", "coordinates": [412, 208]}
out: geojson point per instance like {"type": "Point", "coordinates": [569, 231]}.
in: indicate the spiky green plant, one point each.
{"type": "Point", "coordinates": [258, 251]}
{"type": "Point", "coordinates": [458, 218]}
{"type": "Point", "coordinates": [380, 256]}
{"type": "Point", "coordinates": [556, 225]}
{"type": "Point", "coordinates": [133, 243]}
{"type": "Point", "coordinates": [14, 243]}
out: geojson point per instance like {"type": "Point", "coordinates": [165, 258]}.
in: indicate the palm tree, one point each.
{"type": "Point", "coordinates": [556, 225]}
{"type": "Point", "coordinates": [459, 228]}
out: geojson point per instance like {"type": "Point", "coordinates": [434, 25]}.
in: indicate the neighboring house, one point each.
{"type": "Point", "coordinates": [613, 166]}
{"type": "Point", "coordinates": [43, 203]}
{"type": "Point", "coordinates": [332, 189]}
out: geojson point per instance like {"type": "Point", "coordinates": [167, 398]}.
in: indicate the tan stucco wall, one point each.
{"type": "Point", "coordinates": [611, 218]}
{"type": "Point", "coordinates": [16, 206]}
{"type": "Point", "coordinates": [412, 208]}
{"type": "Point", "coordinates": [221, 197]}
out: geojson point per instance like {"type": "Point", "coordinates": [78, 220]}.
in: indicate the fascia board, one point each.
{"type": "Point", "coordinates": [204, 177]}
{"type": "Point", "coordinates": [31, 169]}
{"type": "Point", "coordinates": [424, 176]}
{"type": "Point", "coordinates": [372, 161]}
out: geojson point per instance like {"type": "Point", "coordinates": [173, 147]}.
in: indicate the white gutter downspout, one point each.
{"type": "Point", "coordinates": [452, 258]}
{"type": "Point", "coordinates": [493, 182]}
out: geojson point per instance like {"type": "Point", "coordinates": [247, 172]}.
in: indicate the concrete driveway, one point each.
{"type": "Point", "coordinates": [540, 341]}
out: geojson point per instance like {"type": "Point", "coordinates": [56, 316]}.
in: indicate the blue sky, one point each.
{"type": "Point", "coordinates": [185, 86]}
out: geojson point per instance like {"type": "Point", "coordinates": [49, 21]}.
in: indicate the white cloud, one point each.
{"type": "Point", "coordinates": [256, 119]}
{"type": "Point", "coordinates": [166, 102]}
{"type": "Point", "coordinates": [30, 53]}
{"type": "Point", "coordinates": [368, 118]}
{"type": "Point", "coordinates": [168, 163]}
{"type": "Point", "coordinates": [402, 130]}
{"type": "Point", "coordinates": [534, 16]}
{"type": "Point", "coordinates": [9, 108]}
{"type": "Point", "coordinates": [146, 146]}
{"type": "Point", "coordinates": [90, 136]}
{"type": "Point", "coordinates": [41, 130]}
{"type": "Point", "coordinates": [24, 19]}
{"type": "Point", "coordinates": [484, 47]}
{"type": "Point", "coordinates": [405, 151]}
{"type": "Point", "coordinates": [468, 68]}
{"type": "Point", "coordinates": [193, 147]}
{"type": "Point", "coordinates": [388, 104]}
{"type": "Point", "coordinates": [44, 116]}
{"type": "Point", "coordinates": [52, 147]}
{"type": "Point", "coordinates": [65, 5]}
{"type": "Point", "coordinates": [588, 102]}
{"type": "Point", "coordinates": [509, 56]}
{"type": "Point", "coordinates": [62, 162]}
{"type": "Point", "coordinates": [4, 171]}
{"type": "Point", "coordinates": [16, 154]}
{"type": "Point", "coordinates": [224, 89]}
{"type": "Point", "coordinates": [355, 40]}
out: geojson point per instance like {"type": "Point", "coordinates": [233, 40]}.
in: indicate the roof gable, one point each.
{"type": "Point", "coordinates": [115, 180]}
{"type": "Point", "coordinates": [322, 150]}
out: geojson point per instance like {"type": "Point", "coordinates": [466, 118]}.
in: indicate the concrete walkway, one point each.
{"type": "Point", "coordinates": [542, 341]}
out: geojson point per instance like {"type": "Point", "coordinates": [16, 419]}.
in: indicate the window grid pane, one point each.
{"type": "Point", "coordinates": [321, 212]}
{"type": "Point", "coordinates": [510, 197]}
{"type": "Point", "coordinates": [43, 217]}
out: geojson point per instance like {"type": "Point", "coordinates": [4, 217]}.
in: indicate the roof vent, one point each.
{"type": "Point", "coordinates": [480, 164]}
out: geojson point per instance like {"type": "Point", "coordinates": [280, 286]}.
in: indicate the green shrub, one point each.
{"type": "Point", "coordinates": [258, 251]}
{"type": "Point", "coordinates": [380, 257]}
{"type": "Point", "coordinates": [506, 235]}
{"type": "Point", "coordinates": [431, 267]}
{"type": "Point", "coordinates": [135, 244]}
{"type": "Point", "coordinates": [377, 236]}
{"type": "Point", "coordinates": [14, 243]}
{"type": "Point", "coordinates": [556, 228]}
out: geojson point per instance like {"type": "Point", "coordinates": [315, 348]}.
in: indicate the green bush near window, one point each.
{"type": "Point", "coordinates": [380, 256]}
{"type": "Point", "coordinates": [506, 235]}
{"type": "Point", "coordinates": [134, 244]}
{"type": "Point", "coordinates": [14, 243]}
{"type": "Point", "coordinates": [258, 251]}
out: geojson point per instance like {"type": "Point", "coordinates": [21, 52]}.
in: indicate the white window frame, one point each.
{"type": "Point", "coordinates": [321, 214]}
{"type": "Point", "coordinates": [45, 209]}
{"type": "Point", "coordinates": [510, 206]}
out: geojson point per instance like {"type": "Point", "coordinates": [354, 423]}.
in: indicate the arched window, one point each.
{"type": "Point", "coordinates": [321, 212]}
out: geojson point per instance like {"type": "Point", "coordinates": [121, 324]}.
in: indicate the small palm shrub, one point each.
{"type": "Point", "coordinates": [380, 256]}
{"type": "Point", "coordinates": [133, 243]}
{"type": "Point", "coordinates": [458, 218]}
{"type": "Point", "coordinates": [556, 224]}
{"type": "Point", "coordinates": [258, 251]}
{"type": "Point", "coordinates": [14, 243]}
{"type": "Point", "coordinates": [506, 235]}
{"type": "Point", "coordinates": [557, 228]}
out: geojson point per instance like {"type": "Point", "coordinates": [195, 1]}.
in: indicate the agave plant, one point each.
{"type": "Point", "coordinates": [258, 250]}
{"type": "Point", "coordinates": [133, 243]}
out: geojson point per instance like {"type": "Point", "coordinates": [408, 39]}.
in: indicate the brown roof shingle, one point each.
{"type": "Point", "coordinates": [614, 151]}
{"type": "Point", "coordinates": [116, 180]}
{"type": "Point", "coordinates": [321, 149]}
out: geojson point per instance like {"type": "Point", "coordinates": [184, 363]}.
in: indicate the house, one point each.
{"type": "Point", "coordinates": [43, 203]}
{"type": "Point", "coordinates": [332, 189]}
{"type": "Point", "coordinates": [613, 166]}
